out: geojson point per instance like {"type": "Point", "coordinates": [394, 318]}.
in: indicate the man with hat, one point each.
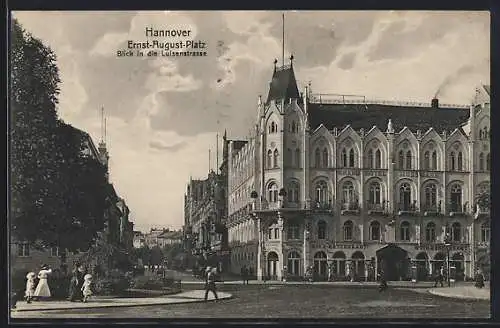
{"type": "Point", "coordinates": [210, 282]}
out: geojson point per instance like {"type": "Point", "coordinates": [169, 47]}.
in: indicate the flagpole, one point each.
{"type": "Point", "coordinates": [283, 41]}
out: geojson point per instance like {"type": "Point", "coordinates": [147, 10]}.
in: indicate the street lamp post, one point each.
{"type": "Point", "coordinates": [447, 244]}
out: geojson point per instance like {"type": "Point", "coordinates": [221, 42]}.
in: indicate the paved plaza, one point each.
{"type": "Point", "coordinates": [289, 301]}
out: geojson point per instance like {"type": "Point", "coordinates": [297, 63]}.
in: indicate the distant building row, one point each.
{"type": "Point", "coordinates": [157, 238]}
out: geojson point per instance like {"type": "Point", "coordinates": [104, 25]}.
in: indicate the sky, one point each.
{"type": "Point", "coordinates": [163, 113]}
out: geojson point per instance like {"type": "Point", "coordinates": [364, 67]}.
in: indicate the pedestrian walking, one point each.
{"type": "Point", "coordinates": [30, 287]}
{"type": "Point", "coordinates": [86, 287]}
{"type": "Point", "coordinates": [479, 280]}
{"type": "Point", "coordinates": [42, 290]}
{"type": "Point", "coordinates": [75, 284]}
{"type": "Point", "coordinates": [210, 282]}
{"type": "Point", "coordinates": [383, 283]}
{"type": "Point", "coordinates": [439, 278]}
{"type": "Point", "coordinates": [244, 274]}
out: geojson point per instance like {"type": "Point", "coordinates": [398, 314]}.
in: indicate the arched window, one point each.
{"type": "Point", "coordinates": [488, 167]}
{"type": "Point", "coordinates": [378, 159]}
{"type": "Point", "coordinates": [321, 229]}
{"type": "Point", "coordinates": [434, 160]}
{"type": "Point", "coordinates": [374, 230]}
{"type": "Point", "coordinates": [325, 158]}
{"type": "Point", "coordinates": [317, 158]}
{"type": "Point", "coordinates": [460, 162]}
{"type": "Point", "coordinates": [452, 161]}
{"type": "Point", "coordinates": [269, 159]}
{"type": "Point", "coordinates": [275, 158]}
{"type": "Point", "coordinates": [348, 227]}
{"type": "Point", "coordinates": [348, 192]}
{"type": "Point", "coordinates": [485, 232]}
{"type": "Point", "coordinates": [401, 160]}
{"type": "Point", "coordinates": [430, 232]}
{"type": "Point", "coordinates": [273, 127]}
{"type": "Point", "coordinates": [481, 162]}
{"type": "Point", "coordinates": [321, 192]}
{"type": "Point", "coordinates": [370, 159]}
{"type": "Point", "coordinates": [405, 231]}
{"type": "Point", "coordinates": [431, 197]}
{"type": "Point", "coordinates": [351, 158]}
{"type": "Point", "coordinates": [293, 263]}
{"type": "Point", "coordinates": [427, 160]}
{"type": "Point", "coordinates": [272, 191]}
{"type": "Point", "coordinates": [293, 192]}
{"type": "Point", "coordinates": [456, 232]}
{"type": "Point", "coordinates": [405, 197]}
{"type": "Point", "coordinates": [297, 157]}
{"type": "Point", "coordinates": [293, 127]}
{"type": "Point", "coordinates": [344, 157]}
{"type": "Point", "coordinates": [456, 198]}
{"type": "Point", "coordinates": [408, 160]}
{"type": "Point", "coordinates": [374, 193]}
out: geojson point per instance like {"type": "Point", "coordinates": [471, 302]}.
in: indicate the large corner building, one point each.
{"type": "Point", "coordinates": [349, 187]}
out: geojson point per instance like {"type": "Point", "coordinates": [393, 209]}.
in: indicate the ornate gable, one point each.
{"type": "Point", "coordinates": [375, 134]}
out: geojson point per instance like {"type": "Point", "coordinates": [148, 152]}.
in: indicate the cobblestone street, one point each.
{"type": "Point", "coordinates": [301, 301]}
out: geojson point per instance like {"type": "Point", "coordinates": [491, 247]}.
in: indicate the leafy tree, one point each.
{"type": "Point", "coordinates": [171, 251]}
{"type": "Point", "coordinates": [58, 194]}
{"type": "Point", "coordinates": [34, 163]}
{"type": "Point", "coordinates": [156, 257]}
{"type": "Point", "coordinates": [143, 253]}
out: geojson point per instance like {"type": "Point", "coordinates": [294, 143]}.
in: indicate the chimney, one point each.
{"type": "Point", "coordinates": [435, 103]}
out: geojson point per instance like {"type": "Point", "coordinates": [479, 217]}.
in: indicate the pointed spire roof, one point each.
{"type": "Point", "coordinates": [283, 83]}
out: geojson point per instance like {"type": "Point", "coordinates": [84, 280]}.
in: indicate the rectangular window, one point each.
{"type": "Point", "coordinates": [293, 232]}
{"type": "Point", "coordinates": [23, 249]}
{"type": "Point", "coordinates": [54, 251]}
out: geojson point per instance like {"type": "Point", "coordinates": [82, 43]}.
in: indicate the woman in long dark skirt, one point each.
{"type": "Point", "coordinates": [75, 284]}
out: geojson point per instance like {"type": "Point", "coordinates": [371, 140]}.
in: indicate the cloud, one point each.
{"type": "Point", "coordinates": [415, 77]}
{"type": "Point", "coordinates": [173, 148]}
{"type": "Point", "coordinates": [152, 182]}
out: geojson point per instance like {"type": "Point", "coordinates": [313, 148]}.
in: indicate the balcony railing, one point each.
{"type": "Point", "coordinates": [455, 209]}
{"type": "Point", "coordinates": [350, 208]}
{"type": "Point", "coordinates": [321, 206]}
{"type": "Point", "coordinates": [375, 209]}
{"type": "Point", "coordinates": [482, 211]}
{"type": "Point", "coordinates": [430, 210]}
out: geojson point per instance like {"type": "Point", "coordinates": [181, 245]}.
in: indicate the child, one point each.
{"type": "Point", "coordinates": [86, 287]}
{"type": "Point", "coordinates": [30, 287]}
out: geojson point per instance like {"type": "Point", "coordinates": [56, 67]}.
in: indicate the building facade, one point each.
{"type": "Point", "coordinates": [205, 213]}
{"type": "Point", "coordinates": [350, 187]}
{"type": "Point", "coordinates": [139, 239]}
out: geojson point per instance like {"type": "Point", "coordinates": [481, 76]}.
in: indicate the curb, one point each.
{"type": "Point", "coordinates": [187, 300]}
{"type": "Point", "coordinates": [463, 297]}
{"type": "Point", "coordinates": [330, 284]}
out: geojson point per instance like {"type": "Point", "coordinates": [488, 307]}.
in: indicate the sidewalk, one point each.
{"type": "Point", "coordinates": [399, 284]}
{"type": "Point", "coordinates": [101, 302]}
{"type": "Point", "coordinates": [463, 292]}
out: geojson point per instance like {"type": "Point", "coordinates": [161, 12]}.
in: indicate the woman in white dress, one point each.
{"type": "Point", "coordinates": [42, 289]}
